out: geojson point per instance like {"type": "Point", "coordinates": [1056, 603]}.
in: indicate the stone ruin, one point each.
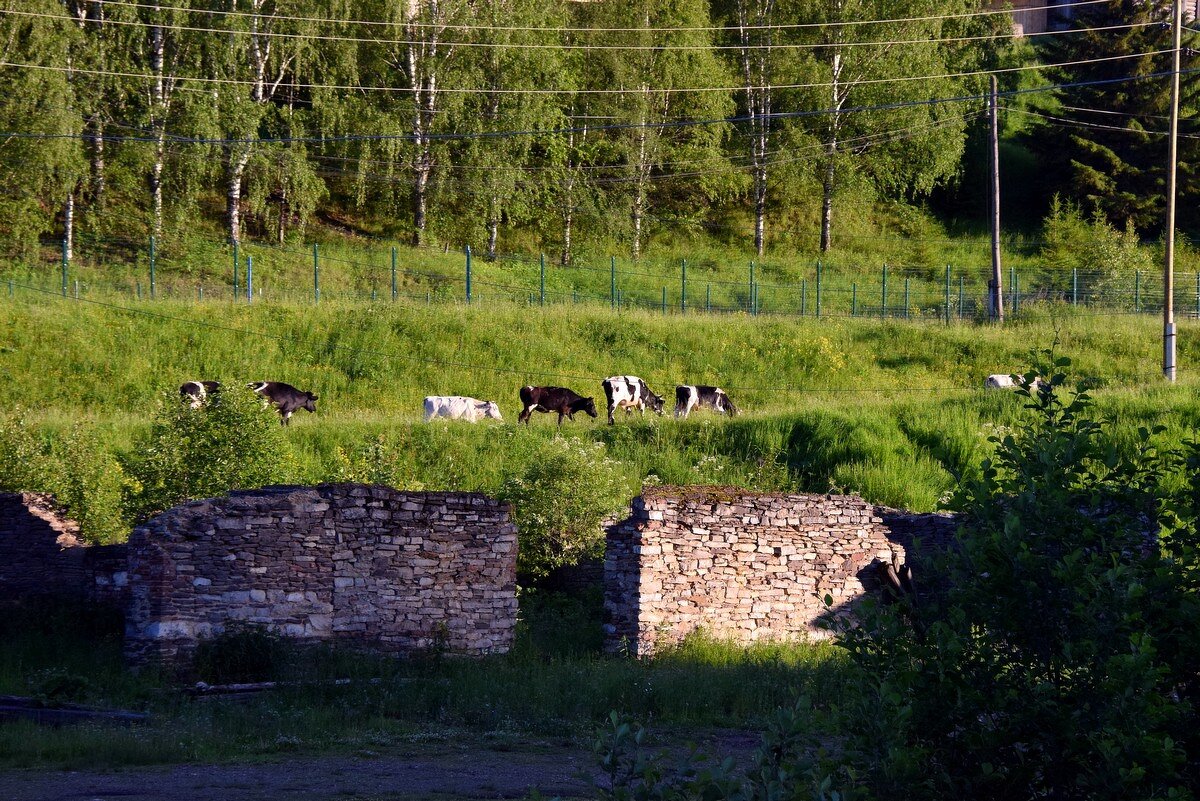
{"type": "Point", "coordinates": [399, 571]}
{"type": "Point", "coordinates": [748, 566]}
{"type": "Point", "coordinates": [404, 571]}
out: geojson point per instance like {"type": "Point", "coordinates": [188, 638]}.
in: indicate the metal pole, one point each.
{"type": "Point", "coordinates": [803, 297]}
{"type": "Point", "coordinates": [1074, 286]}
{"type": "Point", "coordinates": [683, 286]}
{"type": "Point", "coordinates": [997, 310]}
{"type": "Point", "coordinates": [947, 294]}
{"type": "Point", "coordinates": [76, 289]}
{"type": "Point", "coordinates": [65, 260]}
{"type": "Point", "coordinates": [1012, 280]}
{"type": "Point", "coordinates": [750, 291]}
{"type": "Point", "coordinates": [818, 287]}
{"type": "Point", "coordinates": [542, 284]}
{"type": "Point", "coordinates": [883, 305]}
{"type": "Point", "coordinates": [1169, 260]}
{"type": "Point", "coordinates": [317, 275]}
{"type": "Point", "coordinates": [152, 260]}
{"type": "Point", "coordinates": [854, 300]}
{"type": "Point", "coordinates": [249, 279]}
{"type": "Point", "coordinates": [1137, 291]}
{"type": "Point", "coordinates": [468, 274]}
{"type": "Point", "coordinates": [906, 298]}
{"type": "Point", "coordinates": [395, 290]}
{"type": "Point", "coordinates": [961, 298]}
{"type": "Point", "coordinates": [612, 282]}
{"type": "Point", "coordinates": [708, 298]}
{"type": "Point", "coordinates": [664, 300]}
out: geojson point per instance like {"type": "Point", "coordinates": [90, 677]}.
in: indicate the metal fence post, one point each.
{"type": "Point", "coordinates": [1137, 291]}
{"type": "Point", "coordinates": [317, 275]}
{"type": "Point", "coordinates": [542, 282]}
{"type": "Point", "coordinates": [612, 282]}
{"type": "Point", "coordinates": [1198, 295]}
{"type": "Point", "coordinates": [249, 279]}
{"type": "Point", "coordinates": [818, 287]}
{"type": "Point", "coordinates": [664, 300]}
{"type": "Point", "coordinates": [137, 289]}
{"type": "Point", "coordinates": [153, 258]}
{"type": "Point", "coordinates": [906, 297]}
{"type": "Point", "coordinates": [708, 298]}
{"type": "Point", "coordinates": [883, 305]}
{"type": "Point", "coordinates": [395, 290]}
{"type": "Point", "coordinates": [683, 286]}
{"type": "Point", "coordinates": [750, 291]}
{"type": "Point", "coordinates": [947, 294]}
{"type": "Point", "coordinates": [803, 297]}
{"type": "Point", "coordinates": [65, 261]}
{"type": "Point", "coordinates": [961, 298]}
{"type": "Point", "coordinates": [1074, 286]}
{"type": "Point", "coordinates": [1012, 283]}
{"type": "Point", "coordinates": [853, 300]}
{"type": "Point", "coordinates": [468, 274]}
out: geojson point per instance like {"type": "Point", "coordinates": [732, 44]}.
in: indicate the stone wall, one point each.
{"type": "Point", "coordinates": [746, 566]}
{"type": "Point", "coordinates": [369, 564]}
{"type": "Point", "coordinates": [42, 555]}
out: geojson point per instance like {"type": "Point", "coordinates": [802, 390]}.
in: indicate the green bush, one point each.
{"type": "Point", "coordinates": [559, 498]}
{"type": "Point", "coordinates": [25, 461]}
{"type": "Point", "coordinates": [91, 486]}
{"type": "Point", "coordinates": [231, 442]}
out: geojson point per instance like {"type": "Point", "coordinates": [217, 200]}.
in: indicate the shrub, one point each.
{"type": "Point", "coordinates": [91, 486]}
{"type": "Point", "coordinates": [25, 462]}
{"type": "Point", "coordinates": [559, 498]}
{"type": "Point", "coordinates": [231, 442]}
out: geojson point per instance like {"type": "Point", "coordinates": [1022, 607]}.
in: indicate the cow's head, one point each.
{"type": "Point", "coordinates": [589, 406]}
{"type": "Point", "coordinates": [490, 409]}
{"type": "Point", "coordinates": [654, 402]}
{"type": "Point", "coordinates": [310, 402]}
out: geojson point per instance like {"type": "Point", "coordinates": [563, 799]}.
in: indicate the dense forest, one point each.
{"type": "Point", "coordinates": [543, 123]}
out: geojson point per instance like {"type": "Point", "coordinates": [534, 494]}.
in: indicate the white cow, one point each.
{"type": "Point", "coordinates": [458, 407]}
{"type": "Point", "coordinates": [629, 392]}
{"type": "Point", "coordinates": [1002, 381]}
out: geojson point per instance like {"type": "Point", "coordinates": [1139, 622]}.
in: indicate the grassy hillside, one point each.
{"type": "Point", "coordinates": [889, 409]}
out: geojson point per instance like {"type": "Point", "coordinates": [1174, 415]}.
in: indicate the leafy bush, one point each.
{"type": "Point", "coordinates": [231, 442]}
{"type": "Point", "coordinates": [25, 461]}
{"type": "Point", "coordinates": [1092, 246]}
{"type": "Point", "coordinates": [378, 461]}
{"type": "Point", "coordinates": [1055, 664]}
{"type": "Point", "coordinates": [559, 498]}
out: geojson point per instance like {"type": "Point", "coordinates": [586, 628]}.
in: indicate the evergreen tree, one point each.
{"type": "Point", "coordinates": [1106, 145]}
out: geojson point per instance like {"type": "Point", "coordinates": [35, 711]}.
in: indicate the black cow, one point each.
{"type": "Point", "coordinates": [553, 399]}
{"type": "Point", "coordinates": [194, 392]}
{"type": "Point", "coordinates": [689, 396]}
{"type": "Point", "coordinates": [629, 392]}
{"type": "Point", "coordinates": [287, 399]}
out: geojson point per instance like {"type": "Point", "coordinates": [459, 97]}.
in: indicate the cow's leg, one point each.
{"type": "Point", "coordinates": [525, 414]}
{"type": "Point", "coordinates": [560, 417]}
{"type": "Point", "coordinates": [611, 421]}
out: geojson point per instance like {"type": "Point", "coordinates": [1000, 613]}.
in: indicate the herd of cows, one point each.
{"type": "Point", "coordinates": [626, 392]}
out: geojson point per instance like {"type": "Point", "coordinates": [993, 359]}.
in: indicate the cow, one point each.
{"type": "Point", "coordinates": [688, 397]}
{"type": "Point", "coordinates": [286, 398]}
{"type": "Point", "coordinates": [458, 407]}
{"type": "Point", "coordinates": [629, 392]}
{"type": "Point", "coordinates": [1002, 381]}
{"type": "Point", "coordinates": [554, 399]}
{"type": "Point", "coordinates": [194, 393]}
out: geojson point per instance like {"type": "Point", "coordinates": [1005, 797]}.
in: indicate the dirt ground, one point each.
{"type": "Point", "coordinates": [442, 772]}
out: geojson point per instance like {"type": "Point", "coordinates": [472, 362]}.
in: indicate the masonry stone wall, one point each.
{"type": "Point", "coordinates": [747, 566]}
{"type": "Point", "coordinates": [42, 555]}
{"type": "Point", "coordinates": [369, 564]}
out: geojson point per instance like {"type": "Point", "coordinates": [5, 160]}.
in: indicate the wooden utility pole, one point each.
{"type": "Point", "coordinates": [995, 286]}
{"type": "Point", "coordinates": [1169, 265]}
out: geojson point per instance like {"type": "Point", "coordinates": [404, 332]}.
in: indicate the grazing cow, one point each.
{"type": "Point", "coordinates": [629, 392]}
{"type": "Point", "coordinates": [688, 397]}
{"type": "Point", "coordinates": [286, 398]}
{"type": "Point", "coordinates": [458, 407]}
{"type": "Point", "coordinates": [1002, 381]}
{"type": "Point", "coordinates": [553, 399]}
{"type": "Point", "coordinates": [194, 392]}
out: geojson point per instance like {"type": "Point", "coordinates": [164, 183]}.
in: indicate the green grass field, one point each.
{"type": "Point", "coordinates": [891, 409]}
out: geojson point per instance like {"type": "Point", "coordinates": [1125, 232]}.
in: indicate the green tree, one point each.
{"type": "Point", "coordinates": [1105, 146]}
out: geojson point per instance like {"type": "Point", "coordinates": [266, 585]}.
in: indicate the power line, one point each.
{"type": "Point", "coordinates": [570, 46]}
{"type": "Point", "coordinates": [573, 30]}
{"type": "Point", "coordinates": [620, 91]}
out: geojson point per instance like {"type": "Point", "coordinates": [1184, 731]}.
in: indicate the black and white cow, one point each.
{"type": "Point", "coordinates": [194, 393]}
{"type": "Point", "coordinates": [554, 399]}
{"type": "Point", "coordinates": [689, 396]}
{"type": "Point", "coordinates": [286, 398]}
{"type": "Point", "coordinates": [629, 392]}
